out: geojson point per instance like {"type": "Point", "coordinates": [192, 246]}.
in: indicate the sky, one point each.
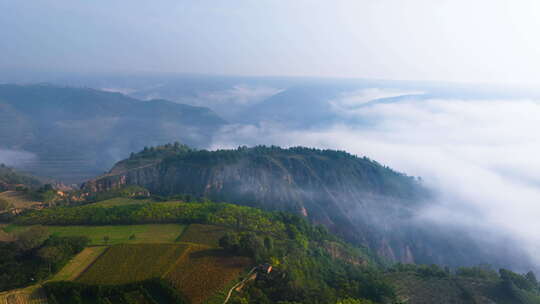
{"type": "Point", "coordinates": [487, 41]}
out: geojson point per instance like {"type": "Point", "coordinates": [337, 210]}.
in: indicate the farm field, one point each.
{"type": "Point", "coordinates": [18, 199]}
{"type": "Point", "coordinates": [79, 263]}
{"type": "Point", "coordinates": [127, 263]}
{"type": "Point", "coordinates": [203, 234]}
{"type": "Point", "coordinates": [121, 201]}
{"type": "Point", "coordinates": [29, 295]}
{"type": "Point", "coordinates": [118, 234]}
{"type": "Point", "coordinates": [204, 272]}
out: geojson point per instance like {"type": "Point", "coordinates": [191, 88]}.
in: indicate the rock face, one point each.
{"type": "Point", "coordinates": [354, 197]}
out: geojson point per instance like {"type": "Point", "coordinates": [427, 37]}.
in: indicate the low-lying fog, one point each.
{"type": "Point", "coordinates": [479, 155]}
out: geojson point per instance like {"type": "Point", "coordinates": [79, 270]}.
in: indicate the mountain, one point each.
{"type": "Point", "coordinates": [355, 197]}
{"type": "Point", "coordinates": [358, 198]}
{"type": "Point", "coordinates": [10, 179]}
{"type": "Point", "coordinates": [77, 133]}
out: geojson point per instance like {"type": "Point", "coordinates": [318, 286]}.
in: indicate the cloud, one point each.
{"type": "Point", "coordinates": [16, 158]}
{"type": "Point", "coordinates": [480, 156]}
{"type": "Point", "coordinates": [352, 100]}
{"type": "Point", "coordinates": [241, 94]}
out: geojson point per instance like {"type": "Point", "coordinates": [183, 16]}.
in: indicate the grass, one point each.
{"type": "Point", "coordinates": [79, 264]}
{"type": "Point", "coordinates": [18, 199]}
{"type": "Point", "coordinates": [203, 234]}
{"type": "Point", "coordinates": [415, 289]}
{"type": "Point", "coordinates": [127, 263]}
{"type": "Point", "coordinates": [4, 236]}
{"type": "Point", "coordinates": [118, 234]}
{"type": "Point", "coordinates": [121, 201]}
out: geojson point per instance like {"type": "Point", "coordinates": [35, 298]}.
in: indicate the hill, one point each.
{"type": "Point", "coordinates": [344, 192]}
{"type": "Point", "coordinates": [10, 179]}
{"type": "Point", "coordinates": [355, 197]}
{"type": "Point", "coordinates": [221, 242]}
{"type": "Point", "coordinates": [77, 133]}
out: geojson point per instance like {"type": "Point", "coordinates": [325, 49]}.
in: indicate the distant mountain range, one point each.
{"type": "Point", "coordinates": [77, 133]}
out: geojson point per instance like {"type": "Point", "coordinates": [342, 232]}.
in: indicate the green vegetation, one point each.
{"type": "Point", "coordinates": [35, 256]}
{"type": "Point", "coordinates": [223, 241]}
{"type": "Point", "coordinates": [120, 201]}
{"type": "Point", "coordinates": [117, 234]}
{"type": "Point", "coordinates": [305, 272]}
{"type": "Point", "coordinates": [154, 291]}
{"type": "Point", "coordinates": [228, 215]}
{"type": "Point", "coordinates": [478, 284]}
{"type": "Point", "coordinates": [204, 234]}
{"type": "Point", "coordinates": [130, 191]}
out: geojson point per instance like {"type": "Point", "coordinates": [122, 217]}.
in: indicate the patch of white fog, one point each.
{"type": "Point", "coordinates": [480, 156]}
{"type": "Point", "coordinates": [346, 102]}
{"type": "Point", "coordinates": [16, 158]}
{"type": "Point", "coordinates": [241, 94]}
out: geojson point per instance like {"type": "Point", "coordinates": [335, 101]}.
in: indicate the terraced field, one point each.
{"type": "Point", "coordinates": [79, 264]}
{"type": "Point", "coordinates": [127, 263]}
{"type": "Point", "coordinates": [117, 234]}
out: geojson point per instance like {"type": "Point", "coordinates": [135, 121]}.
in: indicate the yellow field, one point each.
{"type": "Point", "coordinates": [29, 295]}
{"type": "Point", "coordinates": [79, 264]}
{"type": "Point", "coordinates": [18, 199]}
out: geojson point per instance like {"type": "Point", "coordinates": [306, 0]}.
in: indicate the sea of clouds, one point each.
{"type": "Point", "coordinates": [479, 156]}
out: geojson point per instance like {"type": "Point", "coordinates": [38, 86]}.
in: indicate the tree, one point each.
{"type": "Point", "coordinates": [32, 238]}
{"type": "Point", "coordinates": [51, 255]}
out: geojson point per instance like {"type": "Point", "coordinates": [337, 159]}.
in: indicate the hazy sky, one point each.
{"type": "Point", "coordinates": [452, 40]}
